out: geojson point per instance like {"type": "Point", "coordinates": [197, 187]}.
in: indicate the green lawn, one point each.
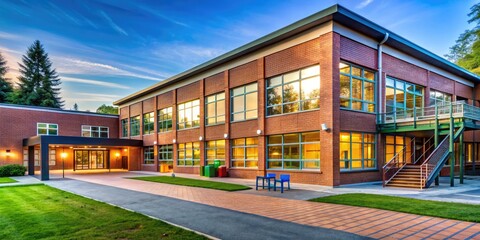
{"type": "Point", "coordinates": [457, 211]}
{"type": "Point", "coordinates": [6, 180]}
{"type": "Point", "coordinates": [42, 212]}
{"type": "Point", "coordinates": [194, 183]}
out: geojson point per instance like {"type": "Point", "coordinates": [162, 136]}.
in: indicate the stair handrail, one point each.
{"type": "Point", "coordinates": [428, 165]}
{"type": "Point", "coordinates": [428, 149]}
{"type": "Point", "coordinates": [394, 162]}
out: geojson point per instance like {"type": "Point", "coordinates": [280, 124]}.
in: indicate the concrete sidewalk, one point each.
{"type": "Point", "coordinates": [374, 223]}
{"type": "Point", "coordinates": [213, 221]}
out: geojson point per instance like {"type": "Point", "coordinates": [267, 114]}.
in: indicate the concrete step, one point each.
{"type": "Point", "coordinates": [403, 185]}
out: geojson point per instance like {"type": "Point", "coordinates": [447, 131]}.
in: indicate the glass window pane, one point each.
{"type": "Point", "coordinates": [356, 88]}
{"type": "Point", "coordinates": [251, 87]}
{"type": "Point", "coordinates": [344, 68]}
{"type": "Point", "coordinates": [251, 101]}
{"type": "Point", "coordinates": [310, 88]}
{"type": "Point", "coordinates": [274, 81]}
{"type": "Point", "coordinates": [289, 77]}
{"type": "Point", "coordinates": [344, 86]}
{"type": "Point", "coordinates": [291, 138]}
{"type": "Point", "coordinates": [275, 139]}
{"type": "Point", "coordinates": [311, 71]}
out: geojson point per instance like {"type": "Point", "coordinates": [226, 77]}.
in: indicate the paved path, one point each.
{"type": "Point", "coordinates": [217, 222]}
{"type": "Point", "coordinates": [362, 221]}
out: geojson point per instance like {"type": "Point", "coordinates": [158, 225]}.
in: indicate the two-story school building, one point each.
{"type": "Point", "coordinates": [331, 99]}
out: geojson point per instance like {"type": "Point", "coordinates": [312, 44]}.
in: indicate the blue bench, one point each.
{"type": "Point", "coordinates": [284, 178]}
{"type": "Point", "coordinates": [267, 177]}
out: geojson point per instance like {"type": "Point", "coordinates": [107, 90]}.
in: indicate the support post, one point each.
{"type": "Point", "coordinates": [452, 148]}
{"type": "Point", "coordinates": [45, 171]}
{"type": "Point", "coordinates": [436, 140]}
{"type": "Point", "coordinates": [31, 160]}
{"type": "Point", "coordinates": [462, 157]}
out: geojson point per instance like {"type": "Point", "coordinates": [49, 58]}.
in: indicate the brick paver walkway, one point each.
{"type": "Point", "coordinates": [368, 222]}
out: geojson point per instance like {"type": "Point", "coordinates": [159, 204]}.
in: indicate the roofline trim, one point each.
{"type": "Point", "coordinates": [44, 109]}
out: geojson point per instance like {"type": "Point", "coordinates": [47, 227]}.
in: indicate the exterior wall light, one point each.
{"type": "Point", "coordinates": [200, 138]}
{"type": "Point", "coordinates": [259, 131]}
{"type": "Point", "coordinates": [225, 135]}
{"type": "Point", "coordinates": [7, 152]}
{"type": "Point", "coordinates": [325, 127]}
{"type": "Point", "coordinates": [154, 142]}
{"type": "Point", "coordinates": [174, 140]}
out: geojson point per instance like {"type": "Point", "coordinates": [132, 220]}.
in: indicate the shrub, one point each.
{"type": "Point", "coordinates": [11, 170]}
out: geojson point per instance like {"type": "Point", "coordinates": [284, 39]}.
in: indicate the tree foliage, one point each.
{"type": "Point", "coordinates": [466, 51]}
{"type": "Point", "coordinates": [107, 109]}
{"type": "Point", "coordinates": [38, 82]}
{"type": "Point", "coordinates": [5, 85]}
{"type": "Point", "coordinates": [75, 107]}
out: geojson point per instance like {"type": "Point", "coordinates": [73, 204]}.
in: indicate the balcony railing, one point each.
{"type": "Point", "coordinates": [455, 109]}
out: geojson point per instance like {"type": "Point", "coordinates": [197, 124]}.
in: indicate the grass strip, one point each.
{"type": "Point", "coordinates": [7, 180]}
{"type": "Point", "coordinates": [456, 211]}
{"type": "Point", "coordinates": [194, 183]}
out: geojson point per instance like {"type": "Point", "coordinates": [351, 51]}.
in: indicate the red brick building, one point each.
{"type": "Point", "coordinates": [331, 99]}
{"type": "Point", "coordinates": [87, 140]}
{"type": "Point", "coordinates": [313, 99]}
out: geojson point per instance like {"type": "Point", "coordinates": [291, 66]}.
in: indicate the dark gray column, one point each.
{"type": "Point", "coordinates": [31, 160]}
{"type": "Point", "coordinates": [44, 163]}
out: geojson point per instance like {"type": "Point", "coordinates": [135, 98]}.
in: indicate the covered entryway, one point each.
{"type": "Point", "coordinates": [80, 153]}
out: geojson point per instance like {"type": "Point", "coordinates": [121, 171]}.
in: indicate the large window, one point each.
{"type": "Point", "coordinates": [294, 92]}
{"type": "Point", "coordinates": [148, 155]}
{"type": "Point", "coordinates": [402, 96]}
{"type": "Point", "coordinates": [245, 153]}
{"type": "Point", "coordinates": [94, 131]}
{"type": "Point", "coordinates": [188, 154]}
{"type": "Point", "coordinates": [294, 151]}
{"type": "Point", "coordinates": [125, 127]}
{"type": "Point", "coordinates": [188, 114]}
{"type": "Point", "coordinates": [165, 120]}
{"type": "Point", "coordinates": [357, 88]}
{"type": "Point", "coordinates": [244, 102]}
{"type": "Point", "coordinates": [148, 123]}
{"type": "Point", "coordinates": [47, 129]}
{"type": "Point", "coordinates": [395, 144]}
{"type": "Point", "coordinates": [439, 98]}
{"type": "Point", "coordinates": [357, 151]}
{"type": "Point", "coordinates": [215, 109]}
{"type": "Point", "coordinates": [135, 126]}
{"type": "Point", "coordinates": [215, 151]}
{"type": "Point", "coordinates": [165, 155]}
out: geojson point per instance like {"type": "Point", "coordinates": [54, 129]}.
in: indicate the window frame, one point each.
{"type": "Point", "coordinates": [245, 158]}
{"type": "Point", "coordinates": [405, 90]}
{"type": "Point", "coordinates": [244, 110]}
{"type": "Point", "coordinates": [47, 128]}
{"type": "Point", "coordinates": [193, 123]}
{"type": "Point", "coordinates": [215, 149]}
{"type": "Point", "coordinates": [364, 103]}
{"type": "Point", "coordinates": [436, 100]}
{"type": "Point", "coordinates": [124, 124]}
{"type": "Point", "coordinates": [90, 131]}
{"type": "Point", "coordinates": [165, 116]}
{"type": "Point", "coordinates": [195, 161]}
{"type": "Point", "coordinates": [300, 150]}
{"type": "Point", "coordinates": [215, 103]}
{"type": "Point", "coordinates": [136, 127]}
{"type": "Point", "coordinates": [151, 151]}
{"type": "Point", "coordinates": [363, 159]}
{"type": "Point", "coordinates": [300, 102]}
{"type": "Point", "coordinates": [148, 123]}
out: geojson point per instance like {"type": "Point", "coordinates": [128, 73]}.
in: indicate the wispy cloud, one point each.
{"type": "Point", "coordinates": [113, 24]}
{"type": "Point", "coordinates": [186, 54]}
{"type": "Point", "coordinates": [77, 66]}
{"type": "Point", "coordinates": [92, 97]}
{"type": "Point", "coordinates": [364, 3]}
{"type": "Point", "coordinates": [93, 82]}
{"type": "Point", "coordinates": [9, 36]}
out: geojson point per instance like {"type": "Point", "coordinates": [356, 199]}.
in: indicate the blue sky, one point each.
{"type": "Point", "coordinates": [104, 50]}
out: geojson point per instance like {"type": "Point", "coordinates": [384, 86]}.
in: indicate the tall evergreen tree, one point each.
{"type": "Point", "coordinates": [5, 86]}
{"type": "Point", "coordinates": [39, 83]}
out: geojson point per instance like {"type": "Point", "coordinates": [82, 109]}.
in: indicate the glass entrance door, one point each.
{"type": "Point", "coordinates": [90, 159]}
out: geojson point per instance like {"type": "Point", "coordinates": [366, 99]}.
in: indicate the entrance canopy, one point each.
{"type": "Point", "coordinates": [44, 142]}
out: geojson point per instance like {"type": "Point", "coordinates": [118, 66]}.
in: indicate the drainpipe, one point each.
{"type": "Point", "coordinates": [380, 75]}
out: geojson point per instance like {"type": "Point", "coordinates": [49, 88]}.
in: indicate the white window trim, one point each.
{"type": "Point", "coordinates": [58, 129]}
{"type": "Point", "coordinates": [90, 130]}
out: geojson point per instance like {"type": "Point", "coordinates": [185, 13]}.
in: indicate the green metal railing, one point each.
{"type": "Point", "coordinates": [458, 109]}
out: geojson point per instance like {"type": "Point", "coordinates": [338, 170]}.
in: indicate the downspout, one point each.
{"type": "Point", "coordinates": [380, 77]}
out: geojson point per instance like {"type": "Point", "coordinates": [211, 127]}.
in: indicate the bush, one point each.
{"type": "Point", "coordinates": [11, 170]}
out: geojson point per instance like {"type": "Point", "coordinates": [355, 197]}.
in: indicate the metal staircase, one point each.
{"type": "Point", "coordinates": [446, 120]}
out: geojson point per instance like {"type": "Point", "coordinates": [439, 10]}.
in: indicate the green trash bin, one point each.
{"type": "Point", "coordinates": [209, 171]}
{"type": "Point", "coordinates": [216, 164]}
{"type": "Point", "coordinates": [202, 170]}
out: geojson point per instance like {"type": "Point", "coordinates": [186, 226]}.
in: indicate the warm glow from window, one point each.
{"type": "Point", "coordinates": [63, 154]}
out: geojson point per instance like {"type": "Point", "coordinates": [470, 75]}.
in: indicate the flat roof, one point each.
{"type": "Point", "coordinates": [56, 110]}
{"type": "Point", "coordinates": [336, 13]}
{"type": "Point", "coordinates": [74, 140]}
